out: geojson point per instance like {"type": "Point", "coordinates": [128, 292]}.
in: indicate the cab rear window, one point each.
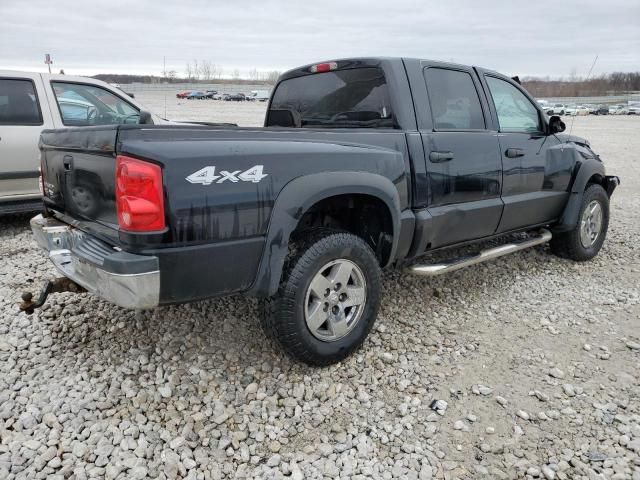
{"type": "Point", "coordinates": [350, 98]}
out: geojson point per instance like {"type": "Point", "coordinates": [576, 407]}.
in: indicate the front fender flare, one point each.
{"type": "Point", "coordinates": [585, 170]}
{"type": "Point", "coordinates": [297, 197]}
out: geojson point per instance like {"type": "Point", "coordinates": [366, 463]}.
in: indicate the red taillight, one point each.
{"type": "Point", "coordinates": [139, 195]}
{"type": "Point", "coordinates": [323, 67]}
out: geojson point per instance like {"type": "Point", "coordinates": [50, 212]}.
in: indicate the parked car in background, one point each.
{"type": "Point", "coordinates": [576, 110]}
{"type": "Point", "coordinates": [32, 102]}
{"type": "Point", "coordinates": [618, 110]}
{"type": "Point", "coordinates": [633, 110]}
{"type": "Point", "coordinates": [258, 96]}
{"type": "Point", "coordinates": [196, 95]}
{"type": "Point", "coordinates": [183, 94]}
{"type": "Point", "coordinates": [592, 109]}
{"type": "Point", "coordinates": [218, 96]}
{"type": "Point", "coordinates": [601, 110]}
{"type": "Point", "coordinates": [555, 109]}
{"type": "Point", "coordinates": [210, 94]}
{"type": "Point", "coordinates": [236, 97]}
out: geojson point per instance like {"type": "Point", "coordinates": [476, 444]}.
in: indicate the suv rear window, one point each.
{"type": "Point", "coordinates": [18, 103]}
{"type": "Point", "coordinates": [356, 97]}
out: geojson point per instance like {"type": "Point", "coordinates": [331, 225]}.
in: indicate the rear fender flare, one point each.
{"type": "Point", "coordinates": [585, 171]}
{"type": "Point", "coordinates": [301, 194]}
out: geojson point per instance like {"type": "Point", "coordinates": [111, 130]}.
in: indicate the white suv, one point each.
{"type": "Point", "coordinates": [32, 102]}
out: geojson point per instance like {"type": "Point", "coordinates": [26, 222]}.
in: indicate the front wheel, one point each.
{"type": "Point", "coordinates": [328, 298]}
{"type": "Point", "coordinates": [586, 239]}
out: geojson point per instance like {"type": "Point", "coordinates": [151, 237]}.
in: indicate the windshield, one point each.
{"type": "Point", "coordinates": [344, 98]}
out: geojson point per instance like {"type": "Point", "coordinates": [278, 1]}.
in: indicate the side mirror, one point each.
{"type": "Point", "coordinates": [145, 118]}
{"type": "Point", "coordinates": [283, 118]}
{"type": "Point", "coordinates": [556, 125]}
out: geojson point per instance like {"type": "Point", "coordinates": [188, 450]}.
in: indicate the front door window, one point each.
{"type": "Point", "coordinates": [515, 111]}
{"type": "Point", "coordinates": [83, 105]}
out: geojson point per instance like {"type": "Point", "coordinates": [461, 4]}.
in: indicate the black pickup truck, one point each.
{"type": "Point", "coordinates": [363, 164]}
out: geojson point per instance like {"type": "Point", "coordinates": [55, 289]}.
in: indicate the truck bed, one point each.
{"type": "Point", "coordinates": [225, 220]}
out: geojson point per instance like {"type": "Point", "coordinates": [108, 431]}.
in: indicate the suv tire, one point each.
{"type": "Point", "coordinates": [328, 297]}
{"type": "Point", "coordinates": [586, 239]}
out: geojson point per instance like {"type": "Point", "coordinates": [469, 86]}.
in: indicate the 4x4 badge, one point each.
{"type": "Point", "coordinates": [207, 175]}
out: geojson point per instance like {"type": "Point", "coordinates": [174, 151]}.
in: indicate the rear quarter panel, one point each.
{"type": "Point", "coordinates": [214, 242]}
{"type": "Point", "coordinates": [227, 210]}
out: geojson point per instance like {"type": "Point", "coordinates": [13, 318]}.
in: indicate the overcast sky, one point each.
{"type": "Point", "coordinates": [131, 36]}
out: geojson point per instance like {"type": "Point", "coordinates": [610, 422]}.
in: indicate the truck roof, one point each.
{"type": "Point", "coordinates": [365, 62]}
{"type": "Point", "coordinates": [53, 76]}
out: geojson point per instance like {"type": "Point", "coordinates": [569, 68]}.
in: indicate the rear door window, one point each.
{"type": "Point", "coordinates": [454, 100]}
{"type": "Point", "coordinates": [83, 105]}
{"type": "Point", "coordinates": [19, 103]}
{"type": "Point", "coordinates": [356, 97]}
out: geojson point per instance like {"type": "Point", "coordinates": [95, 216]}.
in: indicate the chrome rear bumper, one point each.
{"type": "Point", "coordinates": [128, 280]}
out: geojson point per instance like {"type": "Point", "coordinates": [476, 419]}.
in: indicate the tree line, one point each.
{"type": "Point", "coordinates": [617, 83]}
{"type": "Point", "coordinates": [202, 71]}
{"type": "Point", "coordinates": [206, 71]}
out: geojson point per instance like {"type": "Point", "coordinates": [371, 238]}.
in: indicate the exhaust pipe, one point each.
{"type": "Point", "coordinates": [431, 270]}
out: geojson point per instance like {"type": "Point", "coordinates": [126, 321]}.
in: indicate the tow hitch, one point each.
{"type": "Point", "coordinates": [57, 285]}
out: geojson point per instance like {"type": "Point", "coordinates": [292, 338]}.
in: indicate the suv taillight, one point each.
{"type": "Point", "coordinates": [41, 179]}
{"type": "Point", "coordinates": [139, 195]}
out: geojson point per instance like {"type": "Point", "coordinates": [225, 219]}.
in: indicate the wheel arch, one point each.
{"type": "Point", "coordinates": [298, 197]}
{"type": "Point", "coordinates": [587, 172]}
{"type": "Point", "coordinates": [590, 171]}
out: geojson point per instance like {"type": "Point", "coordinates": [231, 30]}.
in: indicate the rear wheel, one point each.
{"type": "Point", "coordinates": [328, 298]}
{"type": "Point", "coordinates": [586, 239]}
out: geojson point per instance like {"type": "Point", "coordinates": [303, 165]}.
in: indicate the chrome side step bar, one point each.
{"type": "Point", "coordinates": [434, 269]}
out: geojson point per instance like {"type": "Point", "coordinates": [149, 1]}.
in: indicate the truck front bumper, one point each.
{"type": "Point", "coordinates": [610, 184]}
{"type": "Point", "coordinates": [128, 280]}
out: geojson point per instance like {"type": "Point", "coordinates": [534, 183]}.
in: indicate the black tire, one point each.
{"type": "Point", "coordinates": [569, 244]}
{"type": "Point", "coordinates": [284, 314]}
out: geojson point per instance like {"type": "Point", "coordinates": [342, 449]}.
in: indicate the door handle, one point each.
{"type": "Point", "coordinates": [67, 162]}
{"type": "Point", "coordinates": [514, 152]}
{"type": "Point", "coordinates": [439, 157]}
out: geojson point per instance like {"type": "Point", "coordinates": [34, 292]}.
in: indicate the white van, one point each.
{"type": "Point", "coordinates": [258, 95]}
{"type": "Point", "coordinates": [32, 102]}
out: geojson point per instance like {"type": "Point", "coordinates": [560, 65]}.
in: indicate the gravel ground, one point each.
{"type": "Point", "coordinates": [534, 360]}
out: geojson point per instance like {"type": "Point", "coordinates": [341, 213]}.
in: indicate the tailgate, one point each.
{"type": "Point", "coordinates": [78, 167]}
